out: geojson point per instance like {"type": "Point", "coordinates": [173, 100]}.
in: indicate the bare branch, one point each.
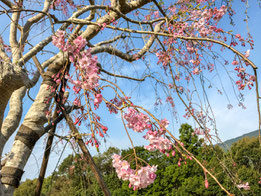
{"type": "Point", "coordinates": [16, 50]}
{"type": "Point", "coordinates": [93, 30]}
{"type": "Point", "coordinates": [125, 56]}
{"type": "Point", "coordinates": [180, 37]}
{"type": "Point", "coordinates": [38, 65]}
{"type": "Point", "coordinates": [37, 48]}
{"type": "Point", "coordinates": [123, 36]}
{"type": "Point", "coordinates": [88, 34]}
{"type": "Point", "coordinates": [122, 15]}
{"type": "Point", "coordinates": [7, 3]}
{"type": "Point", "coordinates": [86, 153]}
{"type": "Point", "coordinates": [34, 19]}
{"type": "Point", "coordinates": [125, 77]}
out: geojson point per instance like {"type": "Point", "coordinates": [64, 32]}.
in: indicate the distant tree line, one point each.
{"type": "Point", "coordinates": [175, 175]}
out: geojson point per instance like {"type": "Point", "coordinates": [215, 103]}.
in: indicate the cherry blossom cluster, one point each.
{"type": "Point", "coordinates": [140, 122]}
{"type": "Point", "coordinates": [138, 178]}
{"type": "Point", "coordinates": [202, 20]}
{"type": "Point", "coordinates": [244, 78]}
{"type": "Point", "coordinates": [117, 102]}
{"type": "Point", "coordinates": [63, 5]}
{"type": "Point", "coordinates": [169, 99]}
{"type": "Point", "coordinates": [84, 62]}
{"type": "Point", "coordinates": [87, 65]}
{"type": "Point", "coordinates": [73, 48]}
{"type": "Point", "coordinates": [97, 100]}
{"type": "Point", "coordinates": [244, 186]}
{"type": "Point", "coordinates": [164, 58]}
{"type": "Point", "coordinates": [157, 142]}
{"type": "Point", "coordinates": [137, 121]}
{"type": "Point", "coordinates": [199, 131]}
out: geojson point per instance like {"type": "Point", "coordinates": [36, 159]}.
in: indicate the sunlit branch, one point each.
{"type": "Point", "coordinates": [16, 50]}
{"type": "Point", "coordinates": [125, 56]}
{"type": "Point", "coordinates": [77, 21]}
{"type": "Point", "coordinates": [121, 36]}
{"type": "Point", "coordinates": [160, 8]}
{"type": "Point", "coordinates": [102, 7]}
{"type": "Point", "coordinates": [7, 3]}
{"type": "Point", "coordinates": [33, 20]}
{"type": "Point", "coordinates": [125, 77]}
{"type": "Point", "coordinates": [92, 31]}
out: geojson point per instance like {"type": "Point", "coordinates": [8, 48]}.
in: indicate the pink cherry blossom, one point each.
{"type": "Point", "coordinates": [247, 53]}
{"type": "Point", "coordinates": [97, 100]}
{"type": "Point", "coordinates": [196, 71]}
{"type": "Point", "coordinates": [136, 121]}
{"type": "Point", "coordinates": [206, 183]}
{"type": "Point", "coordinates": [138, 179]}
{"type": "Point", "coordinates": [244, 186]}
{"type": "Point", "coordinates": [235, 62]}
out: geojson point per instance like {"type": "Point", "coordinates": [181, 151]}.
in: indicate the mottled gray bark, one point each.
{"type": "Point", "coordinates": [11, 78]}
{"type": "Point", "coordinates": [30, 131]}
{"type": "Point", "coordinates": [13, 117]}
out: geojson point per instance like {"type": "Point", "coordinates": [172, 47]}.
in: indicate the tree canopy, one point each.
{"type": "Point", "coordinates": [92, 63]}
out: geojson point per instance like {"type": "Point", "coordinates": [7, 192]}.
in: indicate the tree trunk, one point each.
{"type": "Point", "coordinates": [29, 132]}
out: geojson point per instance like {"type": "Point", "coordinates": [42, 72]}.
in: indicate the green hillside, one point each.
{"type": "Point", "coordinates": [228, 143]}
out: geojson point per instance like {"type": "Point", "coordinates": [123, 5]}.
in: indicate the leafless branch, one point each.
{"type": "Point", "coordinates": [121, 36]}
{"type": "Point", "coordinates": [125, 56]}
{"type": "Point", "coordinates": [33, 20]}
{"type": "Point", "coordinates": [16, 50]}
{"type": "Point", "coordinates": [7, 3]}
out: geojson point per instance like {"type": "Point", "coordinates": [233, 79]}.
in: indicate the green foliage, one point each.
{"type": "Point", "coordinates": [27, 188]}
{"type": "Point", "coordinates": [241, 165]}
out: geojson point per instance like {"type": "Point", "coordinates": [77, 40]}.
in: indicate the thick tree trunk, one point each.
{"type": "Point", "coordinates": [11, 78]}
{"type": "Point", "coordinates": [29, 132]}
{"type": "Point", "coordinates": [5, 96]}
{"type": "Point", "coordinates": [13, 118]}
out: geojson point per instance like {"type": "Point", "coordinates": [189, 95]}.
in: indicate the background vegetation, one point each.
{"type": "Point", "coordinates": [241, 164]}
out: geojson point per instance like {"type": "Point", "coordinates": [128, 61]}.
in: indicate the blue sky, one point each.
{"type": "Point", "coordinates": [230, 123]}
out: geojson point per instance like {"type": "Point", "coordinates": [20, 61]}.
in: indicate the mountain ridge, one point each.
{"type": "Point", "coordinates": [227, 144]}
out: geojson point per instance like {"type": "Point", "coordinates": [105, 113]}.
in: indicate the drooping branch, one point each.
{"type": "Point", "coordinates": [258, 107]}
{"type": "Point", "coordinates": [86, 153]}
{"type": "Point", "coordinates": [49, 144]}
{"type": "Point", "coordinates": [189, 153]}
